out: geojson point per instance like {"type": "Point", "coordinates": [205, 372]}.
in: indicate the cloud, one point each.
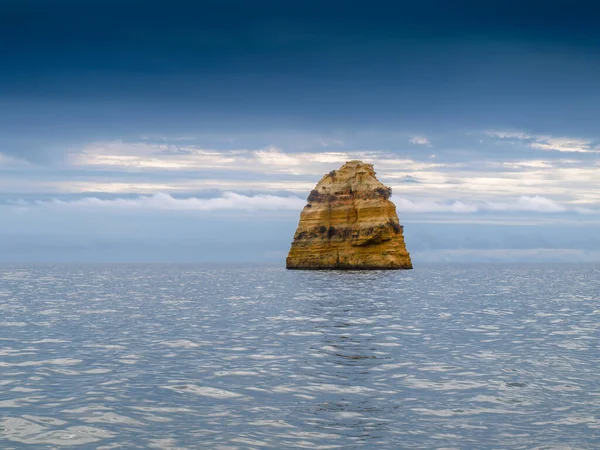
{"type": "Point", "coordinates": [274, 156]}
{"type": "Point", "coordinates": [408, 179]}
{"type": "Point", "coordinates": [419, 140]}
{"type": "Point", "coordinates": [183, 186]}
{"type": "Point", "coordinates": [564, 145]}
{"type": "Point", "coordinates": [234, 201]}
{"type": "Point", "coordinates": [509, 135]}
{"type": "Point", "coordinates": [535, 164]}
{"type": "Point", "coordinates": [144, 155]}
{"type": "Point", "coordinates": [406, 205]}
{"type": "Point", "coordinates": [162, 201]}
{"type": "Point", "coordinates": [179, 167]}
{"type": "Point", "coordinates": [524, 203]}
{"type": "Point", "coordinates": [162, 156]}
{"type": "Point", "coordinates": [545, 142]}
{"type": "Point", "coordinates": [271, 160]}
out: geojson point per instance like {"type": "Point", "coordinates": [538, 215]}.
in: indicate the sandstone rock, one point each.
{"type": "Point", "coordinates": [349, 223]}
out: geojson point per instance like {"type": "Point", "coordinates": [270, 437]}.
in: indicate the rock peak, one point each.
{"type": "Point", "coordinates": [349, 223]}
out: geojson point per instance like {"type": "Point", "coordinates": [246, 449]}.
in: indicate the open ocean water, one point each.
{"type": "Point", "coordinates": [231, 357]}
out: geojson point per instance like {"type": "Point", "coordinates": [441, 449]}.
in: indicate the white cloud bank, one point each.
{"type": "Point", "coordinates": [520, 204]}
{"type": "Point", "coordinates": [162, 201]}
{"type": "Point", "coordinates": [405, 205]}
{"type": "Point", "coordinates": [240, 202]}
{"type": "Point", "coordinates": [526, 203]}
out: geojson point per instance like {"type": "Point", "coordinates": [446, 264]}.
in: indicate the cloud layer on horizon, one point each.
{"type": "Point", "coordinates": [241, 202]}
{"type": "Point", "coordinates": [165, 202]}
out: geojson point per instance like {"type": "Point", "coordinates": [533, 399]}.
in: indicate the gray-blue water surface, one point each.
{"type": "Point", "coordinates": [194, 357]}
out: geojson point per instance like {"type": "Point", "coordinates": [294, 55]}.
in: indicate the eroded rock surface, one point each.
{"type": "Point", "coordinates": [349, 223]}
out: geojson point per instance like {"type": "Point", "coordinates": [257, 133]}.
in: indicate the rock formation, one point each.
{"type": "Point", "coordinates": [349, 223]}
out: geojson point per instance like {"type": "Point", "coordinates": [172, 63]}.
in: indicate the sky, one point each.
{"type": "Point", "coordinates": [186, 131]}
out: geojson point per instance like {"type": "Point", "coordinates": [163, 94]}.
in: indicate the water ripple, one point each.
{"type": "Point", "coordinates": [186, 357]}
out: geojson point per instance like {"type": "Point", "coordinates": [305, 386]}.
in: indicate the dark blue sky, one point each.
{"type": "Point", "coordinates": [488, 104]}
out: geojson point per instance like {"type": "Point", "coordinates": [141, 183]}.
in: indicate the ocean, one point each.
{"type": "Point", "coordinates": [255, 357]}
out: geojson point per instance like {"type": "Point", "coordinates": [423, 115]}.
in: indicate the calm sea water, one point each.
{"type": "Point", "coordinates": [194, 357]}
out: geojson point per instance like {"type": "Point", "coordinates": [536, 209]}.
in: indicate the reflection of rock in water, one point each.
{"type": "Point", "coordinates": [349, 223]}
{"type": "Point", "coordinates": [349, 356]}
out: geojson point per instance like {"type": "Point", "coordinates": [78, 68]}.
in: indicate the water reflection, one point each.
{"type": "Point", "coordinates": [352, 345]}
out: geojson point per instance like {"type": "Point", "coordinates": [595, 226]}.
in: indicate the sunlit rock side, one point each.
{"type": "Point", "coordinates": [349, 223]}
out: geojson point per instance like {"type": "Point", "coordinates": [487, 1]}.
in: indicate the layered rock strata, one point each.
{"type": "Point", "coordinates": [349, 223]}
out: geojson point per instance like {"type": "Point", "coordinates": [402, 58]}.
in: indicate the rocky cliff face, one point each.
{"type": "Point", "coordinates": [349, 223]}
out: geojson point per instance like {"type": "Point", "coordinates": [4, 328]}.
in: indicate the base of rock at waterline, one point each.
{"type": "Point", "coordinates": [291, 267]}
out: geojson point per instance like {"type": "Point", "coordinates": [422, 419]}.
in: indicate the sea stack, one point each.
{"type": "Point", "coordinates": [349, 223]}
